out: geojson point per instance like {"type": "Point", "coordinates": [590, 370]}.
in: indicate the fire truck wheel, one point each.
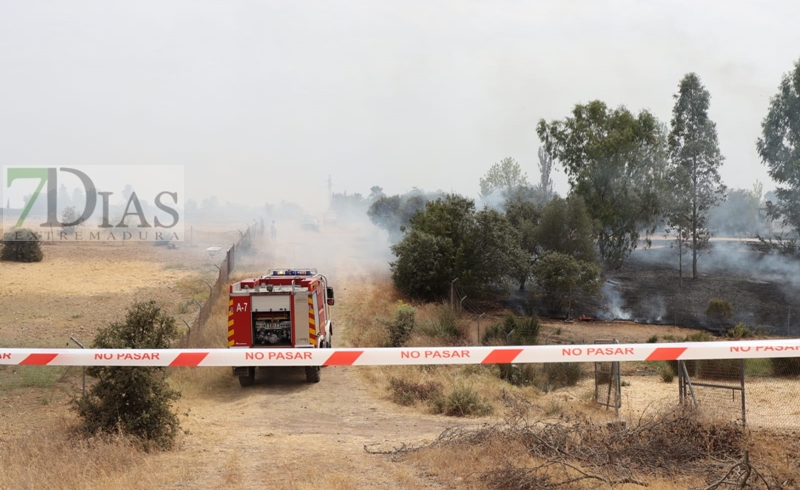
{"type": "Point", "coordinates": [313, 374]}
{"type": "Point", "coordinates": [249, 379]}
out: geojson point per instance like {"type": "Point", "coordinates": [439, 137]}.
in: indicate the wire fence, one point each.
{"type": "Point", "coordinates": [755, 392]}
{"type": "Point", "coordinates": [219, 287]}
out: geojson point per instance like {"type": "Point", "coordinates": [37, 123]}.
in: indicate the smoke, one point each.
{"type": "Point", "coordinates": [495, 200]}
{"type": "Point", "coordinates": [733, 257]}
{"type": "Point", "coordinates": [652, 310]}
{"type": "Point", "coordinates": [344, 251]}
{"type": "Point", "coordinates": [614, 307]}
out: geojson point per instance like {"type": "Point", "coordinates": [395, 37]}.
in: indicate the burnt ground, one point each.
{"type": "Point", "coordinates": [763, 289]}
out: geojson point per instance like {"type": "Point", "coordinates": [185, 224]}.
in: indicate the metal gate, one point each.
{"type": "Point", "coordinates": [607, 385]}
{"type": "Point", "coordinates": [726, 395]}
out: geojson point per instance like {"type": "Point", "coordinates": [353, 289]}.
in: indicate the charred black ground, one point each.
{"type": "Point", "coordinates": [764, 289]}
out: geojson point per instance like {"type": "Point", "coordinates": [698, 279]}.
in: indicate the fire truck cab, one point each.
{"type": "Point", "coordinates": [286, 308]}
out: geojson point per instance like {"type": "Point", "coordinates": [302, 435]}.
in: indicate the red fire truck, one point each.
{"type": "Point", "coordinates": [285, 308]}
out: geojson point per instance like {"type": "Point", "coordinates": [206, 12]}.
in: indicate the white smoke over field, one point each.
{"type": "Point", "coordinates": [763, 288]}
{"type": "Point", "coordinates": [731, 257]}
{"type": "Point", "coordinates": [652, 310]}
{"type": "Point", "coordinates": [614, 303]}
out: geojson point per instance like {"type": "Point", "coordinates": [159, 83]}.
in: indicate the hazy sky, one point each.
{"type": "Point", "coordinates": [261, 100]}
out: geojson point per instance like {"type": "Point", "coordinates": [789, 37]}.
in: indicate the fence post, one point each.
{"type": "Point", "coordinates": [83, 389]}
{"type": "Point", "coordinates": [744, 405]}
{"type": "Point", "coordinates": [189, 332]}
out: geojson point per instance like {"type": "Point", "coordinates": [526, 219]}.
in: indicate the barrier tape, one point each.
{"type": "Point", "coordinates": [401, 355]}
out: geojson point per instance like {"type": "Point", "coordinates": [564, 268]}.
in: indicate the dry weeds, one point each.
{"type": "Point", "coordinates": [674, 449]}
{"type": "Point", "coordinates": [54, 457]}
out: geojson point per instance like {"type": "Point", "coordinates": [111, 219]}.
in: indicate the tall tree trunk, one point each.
{"type": "Point", "coordinates": [680, 257]}
{"type": "Point", "coordinates": [694, 218]}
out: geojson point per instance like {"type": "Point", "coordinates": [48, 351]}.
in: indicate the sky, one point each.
{"type": "Point", "coordinates": [262, 100]}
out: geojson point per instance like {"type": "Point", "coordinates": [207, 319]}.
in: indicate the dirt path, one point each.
{"type": "Point", "coordinates": [285, 433]}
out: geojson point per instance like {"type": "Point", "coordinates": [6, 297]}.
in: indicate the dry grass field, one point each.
{"type": "Point", "coordinates": [281, 433]}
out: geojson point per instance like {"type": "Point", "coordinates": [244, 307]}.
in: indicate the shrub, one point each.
{"type": "Point", "coordinates": [402, 325]}
{"type": "Point", "coordinates": [21, 245]}
{"type": "Point", "coordinates": [719, 309]}
{"type": "Point", "coordinates": [561, 374]}
{"type": "Point", "coordinates": [742, 331]}
{"type": "Point", "coordinates": [653, 339]}
{"type": "Point", "coordinates": [785, 366]}
{"type": "Point", "coordinates": [133, 400]}
{"type": "Point", "coordinates": [409, 392]}
{"type": "Point", "coordinates": [463, 401]}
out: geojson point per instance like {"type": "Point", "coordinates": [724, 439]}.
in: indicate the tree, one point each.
{"type": "Point", "coordinates": [135, 400]}
{"type": "Point", "coordinates": [545, 169]}
{"type": "Point", "coordinates": [779, 148]}
{"type": "Point", "coordinates": [69, 220]}
{"type": "Point", "coordinates": [694, 161]}
{"type": "Point", "coordinates": [64, 198]}
{"type": "Point", "coordinates": [493, 253]}
{"type": "Point", "coordinates": [565, 227]}
{"type": "Point", "coordinates": [523, 214]}
{"type": "Point", "coordinates": [392, 213]}
{"type": "Point", "coordinates": [562, 278]}
{"type": "Point", "coordinates": [505, 175]}
{"type": "Point", "coordinates": [422, 268]}
{"type": "Point", "coordinates": [375, 193]}
{"type": "Point", "coordinates": [449, 239]}
{"type": "Point", "coordinates": [738, 214]}
{"type": "Point", "coordinates": [615, 161]}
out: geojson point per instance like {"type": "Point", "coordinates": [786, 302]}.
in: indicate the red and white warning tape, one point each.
{"type": "Point", "coordinates": [402, 355]}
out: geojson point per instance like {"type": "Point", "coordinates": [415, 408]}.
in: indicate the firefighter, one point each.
{"type": "Point", "coordinates": [274, 231]}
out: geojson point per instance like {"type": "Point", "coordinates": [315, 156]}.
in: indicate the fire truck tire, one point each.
{"type": "Point", "coordinates": [249, 379]}
{"type": "Point", "coordinates": [313, 374]}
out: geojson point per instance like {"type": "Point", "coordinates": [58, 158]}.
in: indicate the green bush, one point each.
{"type": "Point", "coordinates": [785, 366]}
{"type": "Point", "coordinates": [463, 401]}
{"type": "Point", "coordinates": [653, 339]}
{"type": "Point", "coordinates": [719, 309]}
{"type": "Point", "coordinates": [133, 400]}
{"type": "Point", "coordinates": [562, 374]}
{"type": "Point", "coordinates": [402, 325]}
{"type": "Point", "coordinates": [21, 245]}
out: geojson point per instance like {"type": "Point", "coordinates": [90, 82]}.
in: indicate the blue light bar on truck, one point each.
{"type": "Point", "coordinates": [294, 272]}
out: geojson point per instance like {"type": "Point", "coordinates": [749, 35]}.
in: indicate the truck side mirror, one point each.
{"type": "Point", "coordinates": [330, 296]}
